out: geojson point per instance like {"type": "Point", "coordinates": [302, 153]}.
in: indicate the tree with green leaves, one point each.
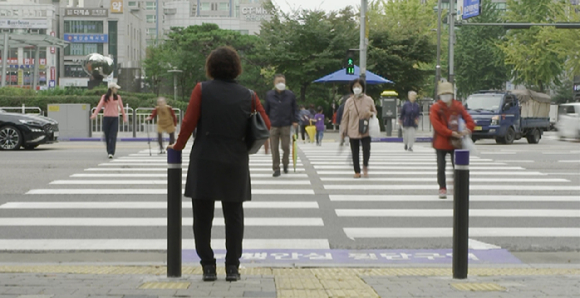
{"type": "Point", "coordinates": [536, 64]}
{"type": "Point", "coordinates": [480, 63]}
{"type": "Point", "coordinates": [305, 45]}
{"type": "Point", "coordinates": [402, 43]}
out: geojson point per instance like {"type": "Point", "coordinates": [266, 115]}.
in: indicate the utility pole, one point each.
{"type": "Point", "coordinates": [452, 13]}
{"type": "Point", "coordinates": [364, 39]}
{"type": "Point", "coordinates": [175, 71]}
{"type": "Point", "coordinates": [438, 67]}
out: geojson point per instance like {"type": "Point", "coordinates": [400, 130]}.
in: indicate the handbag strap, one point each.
{"type": "Point", "coordinates": [252, 101]}
{"type": "Point", "coordinates": [354, 102]}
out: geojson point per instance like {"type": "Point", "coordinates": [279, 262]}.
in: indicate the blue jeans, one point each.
{"type": "Point", "coordinates": [319, 136]}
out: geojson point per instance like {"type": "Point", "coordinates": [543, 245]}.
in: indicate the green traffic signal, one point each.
{"type": "Point", "coordinates": [350, 66]}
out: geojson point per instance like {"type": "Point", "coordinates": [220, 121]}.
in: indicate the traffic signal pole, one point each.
{"type": "Point", "coordinates": [364, 39]}
{"type": "Point", "coordinates": [452, 13]}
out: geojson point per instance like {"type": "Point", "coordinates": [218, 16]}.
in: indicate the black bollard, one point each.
{"type": "Point", "coordinates": [174, 176]}
{"type": "Point", "coordinates": [460, 214]}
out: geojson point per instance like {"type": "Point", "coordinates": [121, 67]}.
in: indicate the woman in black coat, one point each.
{"type": "Point", "coordinates": [219, 161]}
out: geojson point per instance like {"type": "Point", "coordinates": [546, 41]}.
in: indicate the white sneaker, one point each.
{"type": "Point", "coordinates": [110, 156]}
{"type": "Point", "coordinates": [443, 193]}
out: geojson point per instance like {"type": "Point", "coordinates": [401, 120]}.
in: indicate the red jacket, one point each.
{"type": "Point", "coordinates": [439, 115]}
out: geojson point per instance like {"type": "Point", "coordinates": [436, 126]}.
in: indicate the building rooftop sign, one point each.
{"type": "Point", "coordinates": [87, 12]}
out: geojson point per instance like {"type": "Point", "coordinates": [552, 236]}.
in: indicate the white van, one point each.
{"type": "Point", "coordinates": [569, 121]}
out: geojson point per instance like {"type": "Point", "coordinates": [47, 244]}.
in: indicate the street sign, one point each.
{"type": "Point", "coordinates": [52, 49]}
{"type": "Point", "coordinates": [51, 84]}
{"type": "Point", "coordinates": [471, 8]}
{"type": "Point", "coordinates": [52, 73]}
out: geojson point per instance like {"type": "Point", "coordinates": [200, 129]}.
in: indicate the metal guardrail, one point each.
{"type": "Point", "coordinates": [24, 110]}
{"type": "Point", "coordinates": [136, 121]}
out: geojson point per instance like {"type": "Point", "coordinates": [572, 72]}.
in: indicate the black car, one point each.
{"type": "Point", "coordinates": [28, 131]}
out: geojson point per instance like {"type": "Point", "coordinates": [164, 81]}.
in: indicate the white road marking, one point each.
{"type": "Point", "coordinates": [151, 222]}
{"type": "Point", "coordinates": [164, 182]}
{"type": "Point", "coordinates": [149, 205]}
{"type": "Point", "coordinates": [471, 187]}
{"type": "Point", "coordinates": [409, 163]}
{"type": "Point", "coordinates": [478, 245]}
{"type": "Point", "coordinates": [164, 175]}
{"type": "Point", "coordinates": [569, 161]}
{"type": "Point", "coordinates": [516, 161]}
{"type": "Point", "coordinates": [357, 233]}
{"type": "Point", "coordinates": [434, 179]}
{"type": "Point", "coordinates": [432, 173]}
{"type": "Point", "coordinates": [164, 169]}
{"type": "Point", "coordinates": [414, 168]}
{"type": "Point", "coordinates": [449, 213]}
{"type": "Point", "coordinates": [149, 244]}
{"type": "Point", "coordinates": [153, 191]}
{"type": "Point", "coordinates": [497, 153]}
{"type": "Point", "coordinates": [419, 198]}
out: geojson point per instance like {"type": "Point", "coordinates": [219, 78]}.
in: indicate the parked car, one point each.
{"type": "Point", "coordinates": [25, 130]}
{"type": "Point", "coordinates": [569, 121]}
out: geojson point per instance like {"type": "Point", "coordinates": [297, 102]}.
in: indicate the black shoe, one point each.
{"type": "Point", "coordinates": [276, 173]}
{"type": "Point", "coordinates": [285, 169]}
{"type": "Point", "coordinates": [209, 273]}
{"type": "Point", "coordinates": [232, 273]}
{"type": "Point", "coordinates": [406, 147]}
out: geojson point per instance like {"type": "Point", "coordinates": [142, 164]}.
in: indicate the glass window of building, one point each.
{"type": "Point", "coordinates": [83, 27]}
{"type": "Point", "coordinates": [74, 71]}
{"type": "Point", "coordinates": [224, 6]}
{"type": "Point", "coordinates": [150, 5]}
{"type": "Point", "coordinates": [151, 18]}
{"type": "Point", "coordinates": [132, 3]}
{"type": "Point", "coordinates": [214, 6]}
{"type": "Point", "coordinates": [205, 6]}
{"type": "Point", "coordinates": [83, 49]}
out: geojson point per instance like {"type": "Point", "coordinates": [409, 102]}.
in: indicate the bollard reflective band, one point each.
{"type": "Point", "coordinates": [462, 157]}
{"type": "Point", "coordinates": [173, 156]}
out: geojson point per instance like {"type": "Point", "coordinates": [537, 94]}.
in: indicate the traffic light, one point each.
{"type": "Point", "coordinates": [349, 63]}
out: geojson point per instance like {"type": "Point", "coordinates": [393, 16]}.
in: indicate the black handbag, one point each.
{"type": "Point", "coordinates": [257, 132]}
{"type": "Point", "coordinates": [363, 124]}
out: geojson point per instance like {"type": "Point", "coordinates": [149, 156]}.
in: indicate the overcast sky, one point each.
{"type": "Point", "coordinates": [327, 5]}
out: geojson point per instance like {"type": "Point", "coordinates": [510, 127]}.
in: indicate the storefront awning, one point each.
{"type": "Point", "coordinates": [16, 40]}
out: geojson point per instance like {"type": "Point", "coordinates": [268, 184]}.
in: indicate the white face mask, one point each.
{"type": "Point", "coordinates": [357, 90]}
{"type": "Point", "coordinates": [281, 86]}
{"type": "Point", "coordinates": [446, 98]}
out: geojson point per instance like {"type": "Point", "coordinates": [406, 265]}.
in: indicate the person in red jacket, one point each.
{"type": "Point", "coordinates": [445, 116]}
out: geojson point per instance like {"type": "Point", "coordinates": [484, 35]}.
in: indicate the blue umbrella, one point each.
{"type": "Point", "coordinates": [341, 77]}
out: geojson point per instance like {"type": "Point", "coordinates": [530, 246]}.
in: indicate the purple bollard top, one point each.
{"type": "Point", "coordinates": [462, 157]}
{"type": "Point", "coordinates": [173, 156]}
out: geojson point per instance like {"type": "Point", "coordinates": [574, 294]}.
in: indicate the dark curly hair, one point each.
{"type": "Point", "coordinates": [223, 63]}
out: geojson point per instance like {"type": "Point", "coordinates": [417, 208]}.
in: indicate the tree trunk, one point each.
{"type": "Point", "coordinates": [303, 91]}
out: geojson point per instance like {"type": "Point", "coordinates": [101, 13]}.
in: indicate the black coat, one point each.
{"type": "Point", "coordinates": [281, 108]}
{"type": "Point", "coordinates": [219, 161]}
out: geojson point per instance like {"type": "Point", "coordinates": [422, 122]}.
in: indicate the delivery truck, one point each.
{"type": "Point", "coordinates": [509, 116]}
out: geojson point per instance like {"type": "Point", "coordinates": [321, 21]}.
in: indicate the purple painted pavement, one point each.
{"type": "Point", "coordinates": [363, 257]}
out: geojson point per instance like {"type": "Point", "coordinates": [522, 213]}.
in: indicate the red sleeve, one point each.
{"type": "Point", "coordinates": [154, 113]}
{"type": "Point", "coordinates": [261, 110]}
{"type": "Point", "coordinates": [469, 123]}
{"type": "Point", "coordinates": [191, 118]}
{"type": "Point", "coordinates": [173, 115]}
{"type": "Point", "coordinates": [438, 125]}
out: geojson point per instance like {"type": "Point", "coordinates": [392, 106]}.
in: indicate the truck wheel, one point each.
{"type": "Point", "coordinates": [534, 137]}
{"type": "Point", "coordinates": [510, 136]}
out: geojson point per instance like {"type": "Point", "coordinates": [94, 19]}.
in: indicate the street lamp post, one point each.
{"type": "Point", "coordinates": [364, 36]}
{"type": "Point", "coordinates": [175, 71]}
{"type": "Point", "coordinates": [438, 67]}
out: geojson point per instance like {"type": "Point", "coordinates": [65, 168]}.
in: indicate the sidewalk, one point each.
{"type": "Point", "coordinates": [61, 280]}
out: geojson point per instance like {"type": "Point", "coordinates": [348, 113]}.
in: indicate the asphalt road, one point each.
{"type": "Point", "coordinates": [70, 197]}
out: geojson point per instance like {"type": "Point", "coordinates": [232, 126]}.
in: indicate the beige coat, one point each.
{"type": "Point", "coordinates": [349, 123]}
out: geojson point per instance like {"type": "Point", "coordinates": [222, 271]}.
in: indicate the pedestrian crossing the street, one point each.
{"type": "Point", "coordinates": [121, 205]}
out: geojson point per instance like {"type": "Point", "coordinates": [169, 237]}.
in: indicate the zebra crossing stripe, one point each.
{"type": "Point", "coordinates": [419, 198]}
{"type": "Point", "coordinates": [149, 244]}
{"type": "Point", "coordinates": [153, 191]}
{"type": "Point", "coordinates": [471, 187]}
{"type": "Point", "coordinates": [432, 173]}
{"type": "Point", "coordinates": [371, 167]}
{"type": "Point", "coordinates": [164, 175]}
{"type": "Point", "coordinates": [424, 232]}
{"type": "Point", "coordinates": [409, 163]}
{"type": "Point", "coordinates": [434, 179]}
{"type": "Point", "coordinates": [449, 213]}
{"type": "Point", "coordinates": [164, 182]}
{"type": "Point", "coordinates": [151, 222]}
{"type": "Point", "coordinates": [149, 205]}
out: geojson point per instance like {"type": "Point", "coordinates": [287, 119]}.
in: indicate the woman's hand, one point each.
{"type": "Point", "coordinates": [170, 147]}
{"type": "Point", "coordinates": [93, 117]}
{"type": "Point", "coordinates": [148, 119]}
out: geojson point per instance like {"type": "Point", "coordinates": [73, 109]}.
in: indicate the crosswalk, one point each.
{"type": "Point", "coordinates": [121, 205]}
{"type": "Point", "coordinates": [398, 202]}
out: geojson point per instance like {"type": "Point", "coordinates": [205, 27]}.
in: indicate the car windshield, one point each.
{"type": "Point", "coordinates": [487, 102]}
{"type": "Point", "coordinates": [567, 110]}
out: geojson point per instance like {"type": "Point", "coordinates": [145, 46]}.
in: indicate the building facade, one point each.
{"type": "Point", "coordinates": [243, 16]}
{"type": "Point", "coordinates": [31, 17]}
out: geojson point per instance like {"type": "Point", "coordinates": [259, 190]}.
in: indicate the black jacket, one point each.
{"type": "Point", "coordinates": [281, 108]}
{"type": "Point", "coordinates": [219, 162]}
